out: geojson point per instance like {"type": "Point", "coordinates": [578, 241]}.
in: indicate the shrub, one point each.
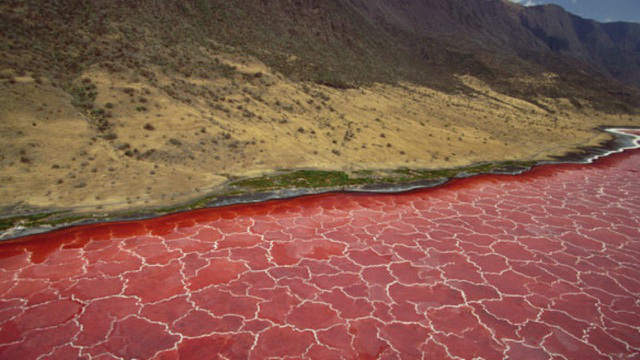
{"type": "Point", "coordinates": [110, 136]}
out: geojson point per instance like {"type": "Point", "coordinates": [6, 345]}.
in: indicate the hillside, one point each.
{"type": "Point", "coordinates": [113, 105]}
{"type": "Point", "coordinates": [340, 43]}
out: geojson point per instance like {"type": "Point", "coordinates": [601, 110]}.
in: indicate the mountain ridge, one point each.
{"type": "Point", "coordinates": [520, 33]}
{"type": "Point", "coordinates": [342, 42]}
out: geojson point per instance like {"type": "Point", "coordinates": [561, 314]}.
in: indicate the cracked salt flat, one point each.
{"type": "Point", "coordinates": [537, 266]}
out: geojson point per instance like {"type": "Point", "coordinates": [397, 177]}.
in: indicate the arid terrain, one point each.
{"type": "Point", "coordinates": [136, 111]}
{"type": "Point", "coordinates": [317, 179]}
{"type": "Point", "coordinates": [491, 267]}
{"type": "Point", "coordinates": [158, 151]}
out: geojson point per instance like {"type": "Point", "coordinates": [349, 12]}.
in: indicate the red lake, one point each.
{"type": "Point", "coordinates": [541, 265]}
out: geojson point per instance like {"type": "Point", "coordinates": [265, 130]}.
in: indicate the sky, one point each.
{"type": "Point", "coordinates": [601, 10]}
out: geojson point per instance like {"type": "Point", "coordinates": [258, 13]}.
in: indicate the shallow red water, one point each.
{"type": "Point", "coordinates": [535, 266]}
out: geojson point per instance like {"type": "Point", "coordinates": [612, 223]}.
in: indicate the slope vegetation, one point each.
{"type": "Point", "coordinates": [112, 105]}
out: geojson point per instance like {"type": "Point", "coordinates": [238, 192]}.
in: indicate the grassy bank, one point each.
{"type": "Point", "coordinates": [317, 180]}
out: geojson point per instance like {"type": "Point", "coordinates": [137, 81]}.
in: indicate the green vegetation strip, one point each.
{"type": "Point", "coordinates": [307, 179]}
{"type": "Point", "coordinates": [332, 179]}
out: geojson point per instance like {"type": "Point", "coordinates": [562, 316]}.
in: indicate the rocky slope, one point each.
{"type": "Point", "coordinates": [498, 40]}
{"type": "Point", "coordinates": [111, 105]}
{"type": "Point", "coordinates": [337, 42]}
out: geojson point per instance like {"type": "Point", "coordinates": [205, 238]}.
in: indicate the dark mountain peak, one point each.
{"type": "Point", "coordinates": [613, 49]}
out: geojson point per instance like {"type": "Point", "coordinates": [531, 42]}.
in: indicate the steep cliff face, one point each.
{"type": "Point", "coordinates": [612, 48]}
{"type": "Point", "coordinates": [622, 58]}
{"type": "Point", "coordinates": [497, 40]}
{"type": "Point", "coordinates": [491, 23]}
{"type": "Point", "coordinates": [482, 27]}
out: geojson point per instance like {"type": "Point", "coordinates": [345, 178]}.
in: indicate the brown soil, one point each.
{"type": "Point", "coordinates": [177, 139]}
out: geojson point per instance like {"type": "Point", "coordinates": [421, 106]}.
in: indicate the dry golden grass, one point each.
{"type": "Point", "coordinates": [180, 138]}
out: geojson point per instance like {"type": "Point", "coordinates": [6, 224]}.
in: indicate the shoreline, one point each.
{"type": "Point", "coordinates": [50, 220]}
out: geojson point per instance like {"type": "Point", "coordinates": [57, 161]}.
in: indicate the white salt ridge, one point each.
{"type": "Point", "coordinates": [626, 132]}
